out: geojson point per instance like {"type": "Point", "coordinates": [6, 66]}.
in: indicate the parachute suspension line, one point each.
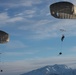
{"type": "Point", "coordinates": [61, 45]}
{"type": "Point", "coordinates": [0, 56]}
{"type": "Point", "coordinates": [62, 40]}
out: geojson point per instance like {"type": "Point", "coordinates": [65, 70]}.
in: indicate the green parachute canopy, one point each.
{"type": "Point", "coordinates": [63, 10]}
{"type": "Point", "coordinates": [4, 37]}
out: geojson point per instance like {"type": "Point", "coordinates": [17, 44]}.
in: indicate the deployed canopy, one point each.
{"type": "Point", "coordinates": [63, 10]}
{"type": "Point", "coordinates": [4, 37]}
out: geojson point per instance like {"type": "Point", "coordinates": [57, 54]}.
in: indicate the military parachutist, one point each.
{"type": "Point", "coordinates": [62, 38]}
{"type": "Point", "coordinates": [1, 70]}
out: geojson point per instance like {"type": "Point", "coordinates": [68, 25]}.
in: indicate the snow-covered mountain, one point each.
{"type": "Point", "coordinates": [52, 70]}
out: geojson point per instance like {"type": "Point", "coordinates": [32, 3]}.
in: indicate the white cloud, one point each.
{"type": "Point", "coordinates": [19, 67]}
{"type": "Point", "coordinates": [15, 44]}
{"type": "Point", "coordinates": [27, 14]}
{"type": "Point", "coordinates": [29, 2]}
{"type": "Point", "coordinates": [20, 53]}
{"type": "Point", "coordinates": [39, 28]}
{"type": "Point", "coordinates": [15, 19]}
{"type": "Point", "coordinates": [4, 18]}
{"type": "Point", "coordinates": [18, 3]}
{"type": "Point", "coordinates": [73, 49]}
{"type": "Point", "coordinates": [50, 28]}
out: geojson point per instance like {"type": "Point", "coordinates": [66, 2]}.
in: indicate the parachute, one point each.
{"type": "Point", "coordinates": [63, 10]}
{"type": "Point", "coordinates": [4, 37]}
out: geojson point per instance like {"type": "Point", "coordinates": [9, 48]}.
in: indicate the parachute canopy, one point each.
{"type": "Point", "coordinates": [63, 10]}
{"type": "Point", "coordinates": [4, 37]}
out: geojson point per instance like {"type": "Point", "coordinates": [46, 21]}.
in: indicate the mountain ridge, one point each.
{"type": "Point", "coordinates": [52, 70]}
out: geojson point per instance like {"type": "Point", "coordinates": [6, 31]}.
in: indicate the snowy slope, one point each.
{"type": "Point", "coordinates": [52, 70]}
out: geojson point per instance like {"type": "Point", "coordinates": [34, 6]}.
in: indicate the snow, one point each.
{"type": "Point", "coordinates": [47, 69]}
{"type": "Point", "coordinates": [53, 70]}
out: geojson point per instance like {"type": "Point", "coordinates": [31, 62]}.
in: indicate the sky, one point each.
{"type": "Point", "coordinates": [35, 36]}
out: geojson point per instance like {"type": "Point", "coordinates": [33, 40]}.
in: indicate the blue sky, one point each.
{"type": "Point", "coordinates": [34, 36]}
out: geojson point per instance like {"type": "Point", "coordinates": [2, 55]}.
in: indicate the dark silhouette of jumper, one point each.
{"type": "Point", "coordinates": [62, 38]}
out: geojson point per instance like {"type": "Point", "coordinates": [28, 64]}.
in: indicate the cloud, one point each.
{"type": "Point", "coordinates": [27, 13]}
{"type": "Point", "coordinates": [36, 23]}
{"type": "Point", "coordinates": [47, 28]}
{"type": "Point", "coordinates": [4, 18]}
{"type": "Point", "coordinates": [18, 3]}
{"type": "Point", "coordinates": [44, 27]}
{"type": "Point", "coordinates": [73, 49]}
{"type": "Point", "coordinates": [30, 3]}
{"type": "Point", "coordinates": [40, 29]}
{"type": "Point", "coordinates": [20, 53]}
{"type": "Point", "coordinates": [15, 19]}
{"type": "Point", "coordinates": [15, 45]}
{"type": "Point", "coordinates": [22, 66]}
